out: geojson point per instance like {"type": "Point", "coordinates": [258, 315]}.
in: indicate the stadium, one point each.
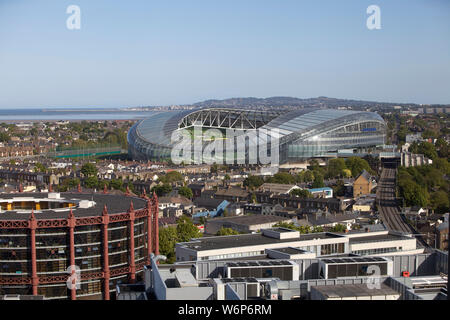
{"type": "Point", "coordinates": [297, 134]}
{"type": "Point", "coordinates": [43, 235]}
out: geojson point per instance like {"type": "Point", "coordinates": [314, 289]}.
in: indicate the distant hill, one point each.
{"type": "Point", "coordinates": [291, 103]}
{"type": "Point", "coordinates": [296, 102]}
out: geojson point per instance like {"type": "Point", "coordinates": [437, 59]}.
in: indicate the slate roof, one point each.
{"type": "Point", "coordinates": [330, 218]}
{"type": "Point", "coordinates": [365, 175]}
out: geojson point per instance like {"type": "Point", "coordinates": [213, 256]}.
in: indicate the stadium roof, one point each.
{"type": "Point", "coordinates": [158, 128]}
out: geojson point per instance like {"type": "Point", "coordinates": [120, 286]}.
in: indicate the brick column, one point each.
{"type": "Point", "coordinates": [106, 275]}
{"type": "Point", "coordinates": [34, 276]}
{"type": "Point", "coordinates": [71, 225]}
{"type": "Point", "coordinates": [132, 259]}
{"type": "Point", "coordinates": [155, 224]}
{"type": "Point", "coordinates": [149, 230]}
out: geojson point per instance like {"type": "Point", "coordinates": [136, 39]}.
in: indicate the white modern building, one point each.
{"type": "Point", "coordinates": [313, 244]}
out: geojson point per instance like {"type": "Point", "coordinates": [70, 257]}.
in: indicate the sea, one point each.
{"type": "Point", "coordinates": [71, 114]}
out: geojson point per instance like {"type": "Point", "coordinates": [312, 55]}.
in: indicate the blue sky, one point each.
{"type": "Point", "coordinates": [131, 53]}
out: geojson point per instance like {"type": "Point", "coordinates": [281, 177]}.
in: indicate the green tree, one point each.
{"type": "Point", "coordinates": [282, 178]}
{"type": "Point", "coordinates": [318, 181]}
{"type": "Point", "coordinates": [39, 167]}
{"type": "Point", "coordinates": [172, 176]}
{"type": "Point", "coordinates": [202, 220]}
{"type": "Point", "coordinates": [430, 134]}
{"type": "Point", "coordinates": [374, 162]}
{"type": "Point", "coordinates": [185, 192]}
{"type": "Point", "coordinates": [339, 188]}
{"type": "Point", "coordinates": [131, 187]}
{"type": "Point", "coordinates": [443, 148]}
{"type": "Point", "coordinates": [301, 193]}
{"type": "Point", "coordinates": [167, 239]}
{"type": "Point", "coordinates": [413, 194]}
{"type": "Point", "coordinates": [89, 169]}
{"type": "Point", "coordinates": [91, 182]}
{"type": "Point", "coordinates": [440, 202]}
{"type": "Point", "coordinates": [339, 228]}
{"type": "Point", "coordinates": [442, 165]}
{"type": "Point", "coordinates": [34, 132]}
{"type": "Point", "coordinates": [335, 168]}
{"type": "Point", "coordinates": [317, 229]}
{"type": "Point", "coordinates": [346, 173]}
{"type": "Point", "coordinates": [116, 184]}
{"type": "Point", "coordinates": [253, 182]}
{"type": "Point", "coordinates": [292, 226]}
{"type": "Point", "coordinates": [186, 230]}
{"type": "Point", "coordinates": [4, 137]}
{"type": "Point", "coordinates": [226, 232]}
{"type": "Point", "coordinates": [69, 184]}
{"type": "Point", "coordinates": [426, 148]}
{"type": "Point", "coordinates": [314, 165]}
{"type": "Point", "coordinates": [309, 176]}
{"type": "Point", "coordinates": [162, 190]}
{"type": "Point", "coordinates": [214, 168]}
{"type": "Point", "coordinates": [357, 165]}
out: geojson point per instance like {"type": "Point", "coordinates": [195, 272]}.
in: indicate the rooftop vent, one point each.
{"type": "Point", "coordinates": [281, 233]}
{"type": "Point", "coordinates": [185, 279]}
{"type": "Point", "coordinates": [84, 204]}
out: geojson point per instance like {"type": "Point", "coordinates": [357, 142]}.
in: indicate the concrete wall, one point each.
{"type": "Point", "coordinates": [400, 286]}
{"type": "Point", "coordinates": [406, 245]}
{"type": "Point", "coordinates": [189, 293]}
{"type": "Point", "coordinates": [234, 250]}
{"type": "Point", "coordinates": [159, 286]}
{"type": "Point", "coordinates": [423, 264]}
{"type": "Point", "coordinates": [185, 254]}
{"type": "Point", "coordinates": [441, 263]}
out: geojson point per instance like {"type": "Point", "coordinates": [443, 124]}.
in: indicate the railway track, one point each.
{"type": "Point", "coordinates": [388, 206]}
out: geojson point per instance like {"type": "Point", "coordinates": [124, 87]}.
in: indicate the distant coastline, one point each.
{"type": "Point", "coordinates": [35, 115]}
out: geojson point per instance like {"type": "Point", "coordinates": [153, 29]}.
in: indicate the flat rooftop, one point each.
{"type": "Point", "coordinates": [290, 250]}
{"type": "Point", "coordinates": [378, 238]}
{"type": "Point", "coordinates": [343, 260]}
{"type": "Point", "coordinates": [246, 240]}
{"type": "Point", "coordinates": [355, 290]}
{"type": "Point", "coordinates": [251, 219]}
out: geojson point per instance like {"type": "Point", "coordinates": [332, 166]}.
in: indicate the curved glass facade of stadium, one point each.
{"type": "Point", "coordinates": [302, 133]}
